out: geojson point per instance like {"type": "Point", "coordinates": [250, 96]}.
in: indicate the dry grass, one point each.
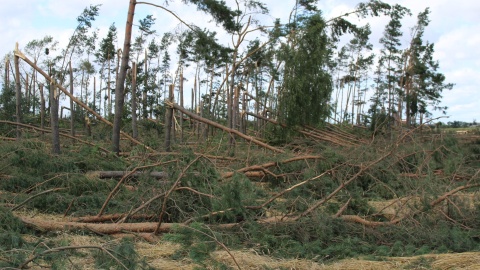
{"type": "Point", "coordinates": [159, 254]}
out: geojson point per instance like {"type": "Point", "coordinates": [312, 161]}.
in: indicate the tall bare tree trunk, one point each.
{"type": "Point", "coordinates": [236, 98]}
{"type": "Point", "coordinates": [243, 122]}
{"type": "Point", "coordinates": [120, 87]}
{"type": "Point", "coordinates": [27, 92]}
{"type": "Point", "coordinates": [94, 93]}
{"type": "Point", "coordinates": [109, 92]}
{"type": "Point", "coordinates": [195, 108]}
{"type": "Point", "coordinates": [134, 101]}
{"type": "Point", "coordinates": [34, 91]}
{"type": "Point", "coordinates": [18, 95]}
{"type": "Point", "coordinates": [181, 103]}
{"type": "Point", "coordinates": [144, 94]}
{"type": "Point", "coordinates": [72, 114]}
{"type": "Point", "coordinates": [168, 121]}
{"type": "Point", "coordinates": [7, 70]}
{"type": "Point", "coordinates": [42, 107]}
{"type": "Point", "coordinates": [54, 118]}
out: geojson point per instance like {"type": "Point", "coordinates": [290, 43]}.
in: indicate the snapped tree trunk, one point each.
{"type": "Point", "coordinates": [168, 121]}
{"type": "Point", "coordinates": [54, 118]}
{"type": "Point", "coordinates": [72, 114]}
{"type": "Point", "coordinates": [181, 104]}
{"type": "Point", "coordinates": [42, 107]}
{"type": "Point", "coordinates": [18, 95]}
{"type": "Point", "coordinates": [120, 87]}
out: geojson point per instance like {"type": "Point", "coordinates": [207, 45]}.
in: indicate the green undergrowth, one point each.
{"type": "Point", "coordinates": [417, 168]}
{"type": "Point", "coordinates": [324, 239]}
{"type": "Point", "coordinates": [421, 170]}
{"type": "Point", "coordinates": [16, 248]}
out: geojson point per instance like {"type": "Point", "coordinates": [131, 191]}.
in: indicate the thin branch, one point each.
{"type": "Point", "coordinates": [36, 195]}
{"type": "Point", "coordinates": [172, 188]}
{"type": "Point", "coordinates": [115, 189]}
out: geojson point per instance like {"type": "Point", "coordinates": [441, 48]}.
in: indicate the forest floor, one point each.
{"type": "Point", "coordinates": [333, 198]}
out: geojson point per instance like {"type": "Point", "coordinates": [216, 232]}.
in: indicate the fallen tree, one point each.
{"type": "Point", "coordinates": [229, 130]}
{"type": "Point", "coordinates": [81, 104]}
{"type": "Point", "coordinates": [61, 134]}
{"type": "Point", "coordinates": [120, 174]}
{"type": "Point", "coordinates": [255, 170]}
{"type": "Point", "coordinates": [109, 228]}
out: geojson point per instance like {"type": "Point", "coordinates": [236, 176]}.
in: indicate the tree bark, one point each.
{"type": "Point", "coordinates": [120, 87]}
{"type": "Point", "coordinates": [54, 118]}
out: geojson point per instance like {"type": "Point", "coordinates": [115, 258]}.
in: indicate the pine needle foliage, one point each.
{"type": "Point", "coordinates": [125, 252]}
{"type": "Point", "coordinates": [306, 85]}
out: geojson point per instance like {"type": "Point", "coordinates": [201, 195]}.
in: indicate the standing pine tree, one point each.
{"type": "Point", "coordinates": [307, 85]}
{"type": "Point", "coordinates": [422, 82]}
{"type": "Point", "coordinates": [391, 56]}
{"type": "Point", "coordinates": [104, 56]}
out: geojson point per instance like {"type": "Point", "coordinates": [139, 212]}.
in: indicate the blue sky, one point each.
{"type": "Point", "coordinates": [454, 28]}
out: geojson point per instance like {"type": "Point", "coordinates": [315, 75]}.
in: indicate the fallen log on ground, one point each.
{"type": "Point", "coordinates": [48, 131]}
{"type": "Point", "coordinates": [120, 174]}
{"type": "Point", "coordinates": [263, 167]}
{"type": "Point", "coordinates": [110, 228]}
{"type": "Point", "coordinates": [110, 218]}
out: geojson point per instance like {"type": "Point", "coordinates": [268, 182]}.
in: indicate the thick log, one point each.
{"type": "Point", "coordinates": [120, 174]}
{"type": "Point", "coordinates": [229, 130]}
{"type": "Point", "coordinates": [109, 218]}
{"type": "Point", "coordinates": [110, 228]}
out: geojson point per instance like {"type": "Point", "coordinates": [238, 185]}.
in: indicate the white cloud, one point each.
{"type": "Point", "coordinates": [454, 29]}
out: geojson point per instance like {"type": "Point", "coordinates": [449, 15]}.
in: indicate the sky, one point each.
{"type": "Point", "coordinates": [454, 29]}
